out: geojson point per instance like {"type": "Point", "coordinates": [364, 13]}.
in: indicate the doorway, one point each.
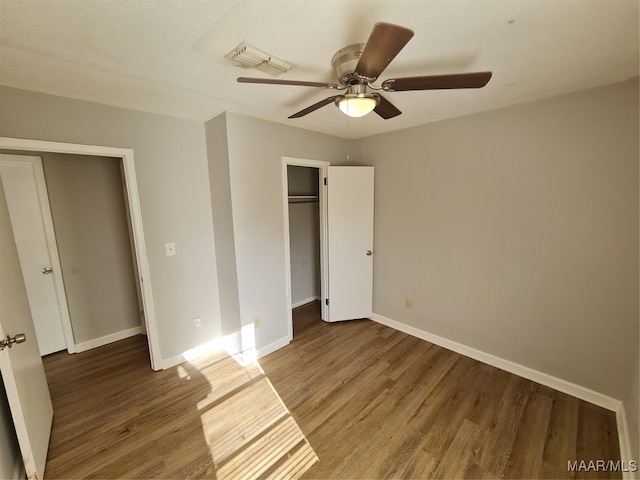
{"type": "Point", "coordinates": [88, 256]}
{"type": "Point", "coordinates": [126, 157]}
{"type": "Point", "coordinates": [305, 233]}
{"type": "Point", "coordinates": [345, 196]}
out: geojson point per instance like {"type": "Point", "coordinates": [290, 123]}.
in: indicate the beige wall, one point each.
{"type": "Point", "coordinates": [173, 183]}
{"type": "Point", "coordinates": [90, 221]}
{"type": "Point", "coordinates": [516, 233]}
{"type": "Point", "coordinates": [304, 235]}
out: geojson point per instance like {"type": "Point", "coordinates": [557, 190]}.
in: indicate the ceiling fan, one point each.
{"type": "Point", "coordinates": [359, 66]}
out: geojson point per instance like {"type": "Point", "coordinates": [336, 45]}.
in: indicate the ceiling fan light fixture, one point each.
{"type": "Point", "coordinates": [357, 104]}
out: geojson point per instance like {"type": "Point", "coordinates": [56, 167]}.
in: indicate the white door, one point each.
{"type": "Point", "coordinates": [30, 215]}
{"type": "Point", "coordinates": [349, 242]}
{"type": "Point", "coordinates": [21, 366]}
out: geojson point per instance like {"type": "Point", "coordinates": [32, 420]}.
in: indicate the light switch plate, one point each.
{"type": "Point", "coordinates": [170, 248]}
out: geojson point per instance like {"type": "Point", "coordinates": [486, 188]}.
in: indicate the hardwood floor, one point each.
{"type": "Point", "coordinates": [208, 418]}
{"type": "Point", "coordinates": [372, 403]}
{"type": "Point", "coordinates": [377, 403]}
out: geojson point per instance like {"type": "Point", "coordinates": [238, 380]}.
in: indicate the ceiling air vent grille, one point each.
{"type": "Point", "coordinates": [246, 56]}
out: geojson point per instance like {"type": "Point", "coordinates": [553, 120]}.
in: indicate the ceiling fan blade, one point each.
{"type": "Point", "coordinates": [301, 83]}
{"type": "Point", "coordinates": [385, 42]}
{"type": "Point", "coordinates": [386, 109]}
{"type": "Point", "coordinates": [314, 107]}
{"type": "Point", "coordinates": [437, 82]}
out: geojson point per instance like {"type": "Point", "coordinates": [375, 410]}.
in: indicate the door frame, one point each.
{"type": "Point", "coordinates": [135, 214]}
{"type": "Point", "coordinates": [52, 246]}
{"type": "Point", "coordinates": [324, 260]}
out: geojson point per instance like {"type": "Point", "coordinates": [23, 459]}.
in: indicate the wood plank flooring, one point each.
{"type": "Point", "coordinates": [377, 403]}
{"type": "Point", "coordinates": [208, 418]}
{"type": "Point", "coordinates": [369, 401]}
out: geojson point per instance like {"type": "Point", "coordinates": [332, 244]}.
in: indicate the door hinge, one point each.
{"type": "Point", "coordinates": [325, 181]}
{"type": "Point", "coordinates": [326, 302]}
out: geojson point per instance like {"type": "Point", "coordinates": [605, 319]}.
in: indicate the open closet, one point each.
{"type": "Point", "coordinates": [304, 233]}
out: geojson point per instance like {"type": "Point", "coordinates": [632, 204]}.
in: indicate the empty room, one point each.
{"type": "Point", "coordinates": [319, 239]}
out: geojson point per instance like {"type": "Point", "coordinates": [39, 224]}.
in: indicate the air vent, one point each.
{"type": "Point", "coordinates": [246, 56]}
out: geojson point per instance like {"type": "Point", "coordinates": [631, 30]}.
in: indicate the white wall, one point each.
{"type": "Point", "coordinates": [256, 148]}
{"type": "Point", "coordinates": [92, 233]}
{"type": "Point", "coordinates": [516, 233]}
{"type": "Point", "coordinates": [173, 182]}
{"type": "Point", "coordinates": [304, 235]}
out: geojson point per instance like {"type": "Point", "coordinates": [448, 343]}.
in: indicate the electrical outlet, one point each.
{"type": "Point", "coordinates": [408, 302]}
{"type": "Point", "coordinates": [197, 323]}
{"type": "Point", "coordinates": [256, 322]}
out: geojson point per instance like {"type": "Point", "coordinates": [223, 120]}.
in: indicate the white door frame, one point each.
{"type": "Point", "coordinates": [131, 184]}
{"type": "Point", "coordinates": [324, 265]}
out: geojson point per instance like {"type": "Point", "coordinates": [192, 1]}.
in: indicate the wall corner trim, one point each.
{"type": "Point", "coordinates": [625, 441]}
{"type": "Point", "coordinates": [166, 363]}
{"type": "Point", "coordinates": [113, 337]}
{"type": "Point", "coordinates": [272, 347]}
{"type": "Point", "coordinates": [305, 301]}
{"type": "Point", "coordinates": [583, 393]}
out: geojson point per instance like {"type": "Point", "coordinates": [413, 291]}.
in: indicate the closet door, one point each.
{"type": "Point", "coordinates": [349, 242]}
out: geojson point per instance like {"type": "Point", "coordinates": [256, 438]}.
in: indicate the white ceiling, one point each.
{"type": "Point", "coordinates": [167, 56]}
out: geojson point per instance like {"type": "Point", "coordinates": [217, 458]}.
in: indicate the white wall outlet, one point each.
{"type": "Point", "coordinates": [197, 323]}
{"type": "Point", "coordinates": [408, 302]}
{"type": "Point", "coordinates": [170, 248]}
{"type": "Point", "coordinates": [256, 322]}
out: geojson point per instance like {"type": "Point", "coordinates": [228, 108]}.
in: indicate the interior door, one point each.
{"type": "Point", "coordinates": [28, 213]}
{"type": "Point", "coordinates": [21, 366]}
{"type": "Point", "coordinates": [349, 242]}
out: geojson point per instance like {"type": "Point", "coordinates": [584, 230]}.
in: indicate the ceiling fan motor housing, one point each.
{"type": "Point", "coordinates": [344, 63]}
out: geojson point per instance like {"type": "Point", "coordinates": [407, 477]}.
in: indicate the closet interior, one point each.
{"type": "Point", "coordinates": [304, 233]}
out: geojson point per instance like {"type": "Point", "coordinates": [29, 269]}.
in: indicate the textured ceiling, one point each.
{"type": "Point", "coordinates": [167, 56]}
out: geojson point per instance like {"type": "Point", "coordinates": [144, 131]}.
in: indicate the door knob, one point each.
{"type": "Point", "coordinates": [46, 270]}
{"type": "Point", "coordinates": [9, 340]}
{"type": "Point", "coordinates": [369, 253]}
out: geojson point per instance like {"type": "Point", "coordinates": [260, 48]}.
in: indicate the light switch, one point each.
{"type": "Point", "coordinates": [170, 248]}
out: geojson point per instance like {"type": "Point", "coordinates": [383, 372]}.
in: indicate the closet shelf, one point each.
{"type": "Point", "coordinates": [303, 198]}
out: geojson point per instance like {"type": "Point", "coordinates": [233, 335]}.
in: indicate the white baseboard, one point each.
{"type": "Point", "coordinates": [230, 344]}
{"type": "Point", "coordinates": [556, 383]}
{"type": "Point", "coordinates": [113, 337]}
{"type": "Point", "coordinates": [305, 301]}
{"type": "Point", "coordinates": [583, 393]}
{"type": "Point", "coordinates": [272, 347]}
{"type": "Point", "coordinates": [202, 349]}
{"type": "Point", "coordinates": [626, 455]}
{"type": "Point", "coordinates": [166, 363]}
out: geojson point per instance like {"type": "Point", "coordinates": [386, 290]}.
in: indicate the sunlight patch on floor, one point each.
{"type": "Point", "coordinates": [248, 429]}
